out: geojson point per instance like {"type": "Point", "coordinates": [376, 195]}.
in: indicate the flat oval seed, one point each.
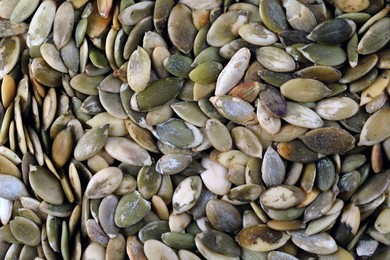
{"type": "Point", "coordinates": [281, 197]}
{"type": "Point", "coordinates": [104, 182]}
{"type": "Point", "coordinates": [91, 143]}
{"type": "Point", "coordinates": [328, 140]}
{"type": "Point", "coordinates": [179, 24]}
{"type": "Point", "coordinates": [272, 169]}
{"type": "Point", "coordinates": [302, 116]}
{"type": "Point", "coordinates": [15, 187]}
{"type": "Point", "coordinates": [272, 15]}
{"type": "Point", "coordinates": [321, 243]}
{"type": "Point", "coordinates": [178, 133]}
{"type": "Point", "coordinates": [25, 231]}
{"type": "Point", "coordinates": [41, 23]}
{"type": "Point", "coordinates": [219, 242]}
{"type": "Point", "coordinates": [375, 128]}
{"type": "Point", "coordinates": [155, 250]}
{"type": "Point", "coordinates": [337, 108]}
{"type": "Point", "coordinates": [46, 185]}
{"type": "Point", "coordinates": [304, 90]}
{"type": "Point", "coordinates": [156, 94]}
{"type": "Point", "coordinates": [131, 209]}
{"type": "Point", "coordinates": [127, 151]}
{"type": "Point", "coordinates": [261, 238]}
{"type": "Point", "coordinates": [215, 173]}
{"type": "Point", "coordinates": [225, 28]}
{"type": "Point", "coordinates": [372, 188]}
{"type": "Point", "coordinates": [275, 59]}
{"type": "Point", "coordinates": [247, 142]}
{"type": "Point", "coordinates": [63, 24]}
{"type": "Point", "coordinates": [172, 163]}
{"type": "Point", "coordinates": [218, 135]}
{"type": "Point", "coordinates": [235, 109]}
{"type": "Point", "coordinates": [257, 34]}
{"type": "Point", "coordinates": [375, 38]}
{"type": "Point", "coordinates": [9, 53]}
{"type": "Point", "coordinates": [323, 54]}
{"type": "Point", "coordinates": [224, 216]}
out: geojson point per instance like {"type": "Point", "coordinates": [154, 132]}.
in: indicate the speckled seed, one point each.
{"type": "Point", "coordinates": [218, 242]}
{"type": "Point", "coordinates": [261, 238]}
{"type": "Point", "coordinates": [131, 209]}
{"type": "Point", "coordinates": [224, 216]}
{"type": "Point", "coordinates": [321, 243]}
{"type": "Point", "coordinates": [328, 140]}
{"type": "Point", "coordinates": [218, 135]}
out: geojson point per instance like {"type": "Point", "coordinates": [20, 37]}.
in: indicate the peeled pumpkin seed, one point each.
{"type": "Point", "coordinates": [272, 15]}
{"type": "Point", "coordinates": [304, 90]}
{"type": "Point", "coordinates": [104, 183]}
{"type": "Point", "coordinates": [323, 54]}
{"type": "Point", "coordinates": [261, 238]}
{"type": "Point", "coordinates": [225, 28]}
{"type": "Point", "coordinates": [321, 243]}
{"type": "Point", "coordinates": [328, 140]}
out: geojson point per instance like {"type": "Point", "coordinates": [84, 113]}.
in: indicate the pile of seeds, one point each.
{"type": "Point", "coordinates": [191, 129]}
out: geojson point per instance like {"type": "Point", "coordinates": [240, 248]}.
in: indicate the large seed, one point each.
{"type": "Point", "coordinates": [104, 182]}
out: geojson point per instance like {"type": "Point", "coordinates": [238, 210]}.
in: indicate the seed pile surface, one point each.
{"type": "Point", "coordinates": [194, 129]}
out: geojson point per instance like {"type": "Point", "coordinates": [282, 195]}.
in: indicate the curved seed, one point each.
{"type": "Point", "coordinates": [41, 23]}
{"type": "Point", "coordinates": [333, 31]}
{"type": "Point", "coordinates": [281, 197]}
{"type": "Point", "coordinates": [272, 15]}
{"type": "Point", "coordinates": [63, 24]}
{"type": "Point", "coordinates": [46, 185]}
{"type": "Point", "coordinates": [131, 209]}
{"type": "Point", "coordinates": [374, 130]}
{"type": "Point", "coordinates": [104, 182]}
{"type": "Point", "coordinates": [9, 53]}
{"type": "Point", "coordinates": [375, 38]}
{"type": "Point", "coordinates": [180, 24]}
{"type": "Point", "coordinates": [321, 243]}
{"type": "Point", "coordinates": [127, 151]}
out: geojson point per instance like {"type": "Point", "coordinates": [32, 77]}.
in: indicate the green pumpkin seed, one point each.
{"type": "Point", "coordinates": [41, 179]}
{"type": "Point", "coordinates": [272, 15]}
{"type": "Point", "coordinates": [341, 30]}
{"type": "Point", "coordinates": [321, 243]}
{"type": "Point", "coordinates": [185, 135]}
{"type": "Point", "coordinates": [190, 112]}
{"type": "Point", "coordinates": [304, 90]}
{"type": "Point", "coordinates": [323, 54]}
{"type": "Point", "coordinates": [299, 16]}
{"type": "Point", "coordinates": [104, 183]}
{"type": "Point", "coordinates": [337, 108]}
{"type": "Point", "coordinates": [150, 97]}
{"type": "Point", "coordinates": [374, 128]}
{"type": "Point", "coordinates": [41, 24]}
{"type": "Point", "coordinates": [181, 14]}
{"type": "Point", "coordinates": [223, 216]}
{"type": "Point", "coordinates": [275, 59]}
{"type": "Point", "coordinates": [370, 42]}
{"type": "Point", "coordinates": [261, 238]}
{"type": "Point", "coordinates": [131, 209]}
{"type": "Point", "coordinates": [225, 28]}
{"type": "Point", "coordinates": [127, 151]}
{"type": "Point", "coordinates": [281, 197]}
